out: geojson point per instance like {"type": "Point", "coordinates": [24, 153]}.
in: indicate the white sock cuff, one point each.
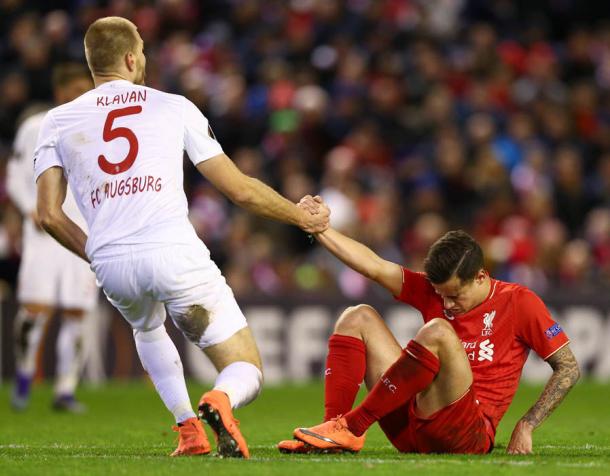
{"type": "Point", "coordinates": [241, 381]}
{"type": "Point", "coordinates": [151, 335]}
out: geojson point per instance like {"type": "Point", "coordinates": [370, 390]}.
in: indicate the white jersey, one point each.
{"type": "Point", "coordinates": [121, 147]}
{"type": "Point", "coordinates": [20, 180]}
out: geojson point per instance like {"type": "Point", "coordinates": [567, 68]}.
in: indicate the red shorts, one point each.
{"type": "Point", "coordinates": [458, 428]}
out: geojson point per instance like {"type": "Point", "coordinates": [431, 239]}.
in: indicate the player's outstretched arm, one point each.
{"type": "Point", "coordinates": [565, 375]}
{"type": "Point", "coordinates": [354, 254]}
{"type": "Point", "coordinates": [362, 259]}
{"type": "Point", "coordinates": [52, 188]}
{"type": "Point", "coordinates": [255, 196]}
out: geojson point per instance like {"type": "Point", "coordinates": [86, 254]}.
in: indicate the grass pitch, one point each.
{"type": "Point", "coordinates": [128, 431]}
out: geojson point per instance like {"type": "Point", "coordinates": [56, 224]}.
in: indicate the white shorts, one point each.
{"type": "Point", "coordinates": [143, 284]}
{"type": "Point", "coordinates": [50, 274]}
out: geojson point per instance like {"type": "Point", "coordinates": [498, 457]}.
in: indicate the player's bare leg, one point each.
{"type": "Point", "coordinates": [382, 349]}
{"type": "Point", "coordinates": [361, 322]}
{"type": "Point", "coordinates": [454, 377]}
{"type": "Point", "coordinates": [240, 347]}
{"type": "Point", "coordinates": [238, 362]}
{"type": "Point", "coordinates": [433, 366]}
{"type": "Point", "coordinates": [70, 359]}
{"type": "Point", "coordinates": [28, 330]}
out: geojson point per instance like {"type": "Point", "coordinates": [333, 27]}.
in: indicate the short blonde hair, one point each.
{"type": "Point", "coordinates": [107, 40]}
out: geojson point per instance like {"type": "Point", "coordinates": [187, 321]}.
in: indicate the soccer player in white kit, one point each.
{"type": "Point", "coordinates": [120, 147]}
{"type": "Point", "coordinates": [50, 277]}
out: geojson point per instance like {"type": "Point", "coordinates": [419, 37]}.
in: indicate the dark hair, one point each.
{"type": "Point", "coordinates": [64, 73]}
{"type": "Point", "coordinates": [455, 253]}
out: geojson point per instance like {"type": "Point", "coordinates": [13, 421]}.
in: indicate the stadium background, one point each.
{"type": "Point", "coordinates": [409, 117]}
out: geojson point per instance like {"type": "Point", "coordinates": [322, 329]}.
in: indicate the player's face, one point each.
{"type": "Point", "coordinates": [459, 296]}
{"type": "Point", "coordinates": [140, 63]}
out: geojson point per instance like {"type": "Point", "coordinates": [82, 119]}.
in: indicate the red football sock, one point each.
{"type": "Point", "coordinates": [410, 374]}
{"type": "Point", "coordinates": [345, 368]}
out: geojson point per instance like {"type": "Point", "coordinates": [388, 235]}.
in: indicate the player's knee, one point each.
{"type": "Point", "coordinates": [149, 335]}
{"type": "Point", "coordinates": [73, 313]}
{"type": "Point", "coordinates": [145, 337]}
{"type": "Point", "coordinates": [355, 319]}
{"type": "Point", "coordinates": [37, 309]}
{"type": "Point", "coordinates": [436, 332]}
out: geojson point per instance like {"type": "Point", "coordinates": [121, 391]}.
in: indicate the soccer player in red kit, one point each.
{"type": "Point", "coordinates": [448, 389]}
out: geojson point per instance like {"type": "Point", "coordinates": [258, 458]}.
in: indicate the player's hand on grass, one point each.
{"type": "Point", "coordinates": [521, 439]}
{"type": "Point", "coordinates": [316, 218]}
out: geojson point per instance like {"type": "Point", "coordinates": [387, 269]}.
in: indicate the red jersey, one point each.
{"type": "Point", "coordinates": [497, 335]}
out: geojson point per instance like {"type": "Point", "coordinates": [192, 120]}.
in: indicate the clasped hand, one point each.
{"type": "Point", "coordinates": [317, 216]}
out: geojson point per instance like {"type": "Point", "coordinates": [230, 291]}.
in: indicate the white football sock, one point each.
{"type": "Point", "coordinates": [69, 348]}
{"type": "Point", "coordinates": [28, 330]}
{"type": "Point", "coordinates": [241, 381]}
{"type": "Point", "coordinates": [161, 360]}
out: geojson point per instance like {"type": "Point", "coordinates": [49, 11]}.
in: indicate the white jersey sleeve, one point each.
{"type": "Point", "coordinates": [199, 141]}
{"type": "Point", "coordinates": [20, 183]}
{"type": "Point", "coordinates": [46, 154]}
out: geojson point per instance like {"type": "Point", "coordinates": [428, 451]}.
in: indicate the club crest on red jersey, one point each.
{"type": "Point", "coordinates": [486, 351]}
{"type": "Point", "coordinates": [488, 321]}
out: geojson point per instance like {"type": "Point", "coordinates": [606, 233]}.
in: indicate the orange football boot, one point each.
{"type": "Point", "coordinates": [331, 435]}
{"type": "Point", "coordinates": [215, 409]}
{"type": "Point", "coordinates": [298, 447]}
{"type": "Point", "coordinates": [293, 447]}
{"type": "Point", "coordinates": [192, 439]}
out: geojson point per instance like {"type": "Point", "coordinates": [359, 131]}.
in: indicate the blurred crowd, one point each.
{"type": "Point", "coordinates": [409, 117]}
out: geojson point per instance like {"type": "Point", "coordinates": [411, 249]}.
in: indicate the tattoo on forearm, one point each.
{"type": "Point", "coordinates": [565, 375]}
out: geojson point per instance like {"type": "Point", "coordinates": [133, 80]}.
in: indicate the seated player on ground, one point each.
{"type": "Point", "coordinates": [448, 389]}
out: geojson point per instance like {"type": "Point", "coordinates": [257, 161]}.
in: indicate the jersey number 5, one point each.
{"type": "Point", "coordinates": [124, 132]}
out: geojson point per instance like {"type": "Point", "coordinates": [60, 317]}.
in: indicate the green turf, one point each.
{"type": "Point", "coordinates": [127, 431]}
